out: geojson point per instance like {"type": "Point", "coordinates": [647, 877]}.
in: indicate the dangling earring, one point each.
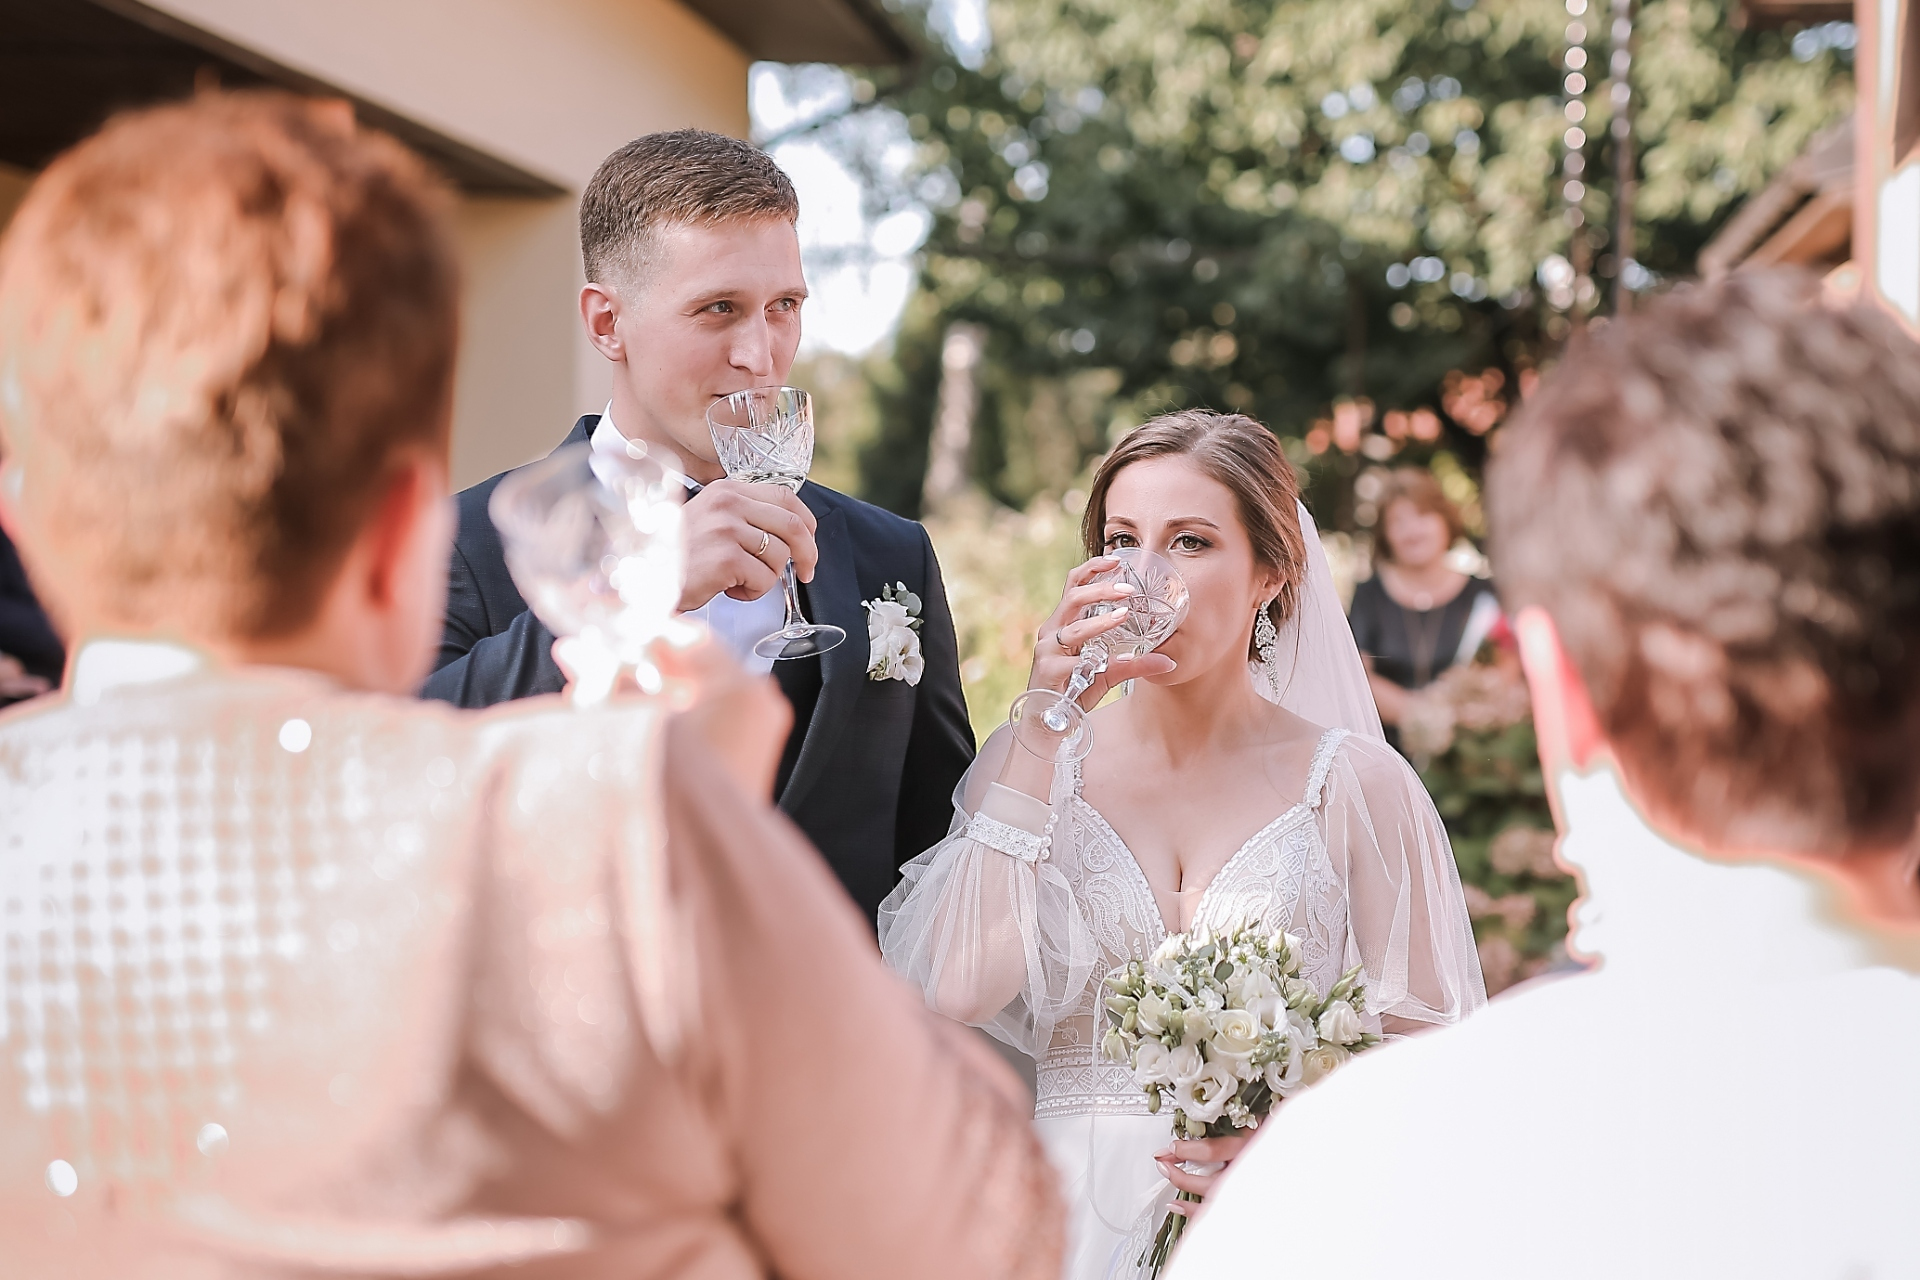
{"type": "Point", "coordinates": [1266, 644]}
{"type": "Point", "coordinates": [1266, 637]}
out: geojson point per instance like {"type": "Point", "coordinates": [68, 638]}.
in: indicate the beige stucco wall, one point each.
{"type": "Point", "coordinates": [552, 86]}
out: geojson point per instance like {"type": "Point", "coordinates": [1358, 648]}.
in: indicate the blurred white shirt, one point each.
{"type": "Point", "coordinates": [737, 624]}
{"type": "Point", "coordinates": [1731, 1094]}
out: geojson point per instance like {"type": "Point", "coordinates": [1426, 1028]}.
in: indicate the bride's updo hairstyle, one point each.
{"type": "Point", "coordinates": [1242, 455]}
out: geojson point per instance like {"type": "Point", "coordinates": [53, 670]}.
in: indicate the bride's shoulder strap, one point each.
{"type": "Point", "coordinates": [1322, 762]}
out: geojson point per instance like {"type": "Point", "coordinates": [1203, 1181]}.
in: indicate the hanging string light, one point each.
{"type": "Point", "coordinates": [1574, 166]}
{"type": "Point", "coordinates": [1626, 272]}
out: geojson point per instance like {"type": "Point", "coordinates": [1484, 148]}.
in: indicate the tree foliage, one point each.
{"type": "Point", "coordinates": [1154, 203]}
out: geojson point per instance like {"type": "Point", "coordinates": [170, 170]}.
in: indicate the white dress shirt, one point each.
{"type": "Point", "coordinates": [737, 624]}
{"type": "Point", "coordinates": [1731, 1094]}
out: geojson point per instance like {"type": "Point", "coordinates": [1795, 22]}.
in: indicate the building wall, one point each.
{"type": "Point", "coordinates": [552, 86]}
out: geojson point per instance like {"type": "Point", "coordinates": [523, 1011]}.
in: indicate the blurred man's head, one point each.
{"type": "Point", "coordinates": [227, 333]}
{"type": "Point", "coordinates": [694, 281]}
{"type": "Point", "coordinates": [1717, 502]}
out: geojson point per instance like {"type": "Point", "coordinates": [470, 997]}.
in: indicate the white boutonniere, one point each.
{"type": "Point", "coordinates": [893, 635]}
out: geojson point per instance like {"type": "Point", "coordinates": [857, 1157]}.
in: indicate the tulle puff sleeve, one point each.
{"type": "Point", "coordinates": [1407, 917]}
{"type": "Point", "coordinates": [985, 922]}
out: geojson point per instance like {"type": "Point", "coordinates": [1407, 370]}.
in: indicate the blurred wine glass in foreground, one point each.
{"type": "Point", "coordinates": [593, 540]}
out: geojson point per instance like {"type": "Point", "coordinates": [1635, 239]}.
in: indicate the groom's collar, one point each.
{"type": "Point", "coordinates": [607, 437]}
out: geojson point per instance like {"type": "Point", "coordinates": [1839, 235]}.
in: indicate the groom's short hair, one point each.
{"type": "Point", "coordinates": [686, 177]}
{"type": "Point", "coordinates": [221, 321]}
{"type": "Point", "coordinates": [1718, 502]}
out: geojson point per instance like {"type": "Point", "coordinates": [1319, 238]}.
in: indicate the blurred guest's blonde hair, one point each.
{"type": "Point", "coordinates": [221, 324]}
{"type": "Point", "coordinates": [1717, 499]}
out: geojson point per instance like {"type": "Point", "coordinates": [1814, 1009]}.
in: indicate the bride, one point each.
{"type": "Point", "coordinates": [1245, 780]}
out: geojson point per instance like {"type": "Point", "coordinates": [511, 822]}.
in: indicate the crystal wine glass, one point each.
{"type": "Point", "coordinates": [1053, 725]}
{"type": "Point", "coordinates": [765, 436]}
{"type": "Point", "coordinates": [592, 538]}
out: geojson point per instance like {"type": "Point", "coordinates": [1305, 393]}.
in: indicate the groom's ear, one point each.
{"type": "Point", "coordinates": [599, 313]}
{"type": "Point", "coordinates": [1563, 716]}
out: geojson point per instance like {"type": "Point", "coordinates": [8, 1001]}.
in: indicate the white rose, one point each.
{"type": "Point", "coordinates": [1185, 1065]}
{"type": "Point", "coordinates": [1321, 1061]}
{"type": "Point", "coordinates": [1341, 1024]}
{"type": "Point", "coordinates": [1151, 1014]}
{"type": "Point", "coordinates": [1152, 1064]}
{"type": "Point", "coordinates": [1205, 1097]}
{"type": "Point", "coordinates": [1236, 1034]}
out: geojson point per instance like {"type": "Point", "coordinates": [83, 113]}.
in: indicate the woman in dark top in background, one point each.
{"type": "Point", "coordinates": [1417, 616]}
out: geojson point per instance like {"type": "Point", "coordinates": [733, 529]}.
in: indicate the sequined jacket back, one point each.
{"type": "Point", "coordinates": [300, 981]}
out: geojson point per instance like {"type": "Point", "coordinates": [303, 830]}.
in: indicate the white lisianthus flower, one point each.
{"type": "Point", "coordinates": [1152, 1064]}
{"type": "Point", "coordinates": [1205, 1097]}
{"type": "Point", "coordinates": [893, 646]}
{"type": "Point", "coordinates": [1269, 1011]}
{"type": "Point", "coordinates": [1284, 1076]}
{"type": "Point", "coordinates": [1321, 1061]}
{"type": "Point", "coordinates": [1236, 1034]}
{"type": "Point", "coordinates": [1185, 1065]}
{"type": "Point", "coordinates": [1247, 986]}
{"type": "Point", "coordinates": [1341, 1024]}
{"type": "Point", "coordinates": [884, 616]}
{"type": "Point", "coordinates": [1150, 1015]}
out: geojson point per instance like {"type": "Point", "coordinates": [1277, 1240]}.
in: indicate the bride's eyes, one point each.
{"type": "Point", "coordinates": [1181, 542]}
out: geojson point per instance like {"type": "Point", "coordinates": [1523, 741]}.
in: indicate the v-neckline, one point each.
{"type": "Point", "coordinates": [1140, 872]}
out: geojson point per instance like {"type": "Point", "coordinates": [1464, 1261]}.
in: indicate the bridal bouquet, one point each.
{"type": "Point", "coordinates": [1219, 1026]}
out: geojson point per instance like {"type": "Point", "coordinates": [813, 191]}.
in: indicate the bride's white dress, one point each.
{"type": "Point", "coordinates": [1047, 897]}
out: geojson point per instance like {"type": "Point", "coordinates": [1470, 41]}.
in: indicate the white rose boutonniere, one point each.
{"type": "Point", "coordinates": [893, 635]}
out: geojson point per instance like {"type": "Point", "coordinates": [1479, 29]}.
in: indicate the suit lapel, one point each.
{"type": "Point", "coordinates": [833, 596]}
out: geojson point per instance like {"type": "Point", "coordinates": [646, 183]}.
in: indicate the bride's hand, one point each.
{"type": "Point", "coordinates": [1213, 1151]}
{"type": "Point", "coordinates": [1058, 643]}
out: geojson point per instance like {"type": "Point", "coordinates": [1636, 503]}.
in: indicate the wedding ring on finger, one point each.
{"type": "Point", "coordinates": [766, 540]}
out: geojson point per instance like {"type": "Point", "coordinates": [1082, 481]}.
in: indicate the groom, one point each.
{"type": "Point", "coordinates": [694, 292]}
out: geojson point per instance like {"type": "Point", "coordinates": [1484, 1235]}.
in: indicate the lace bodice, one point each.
{"type": "Point", "coordinates": [1011, 922]}
{"type": "Point", "coordinates": [1281, 878]}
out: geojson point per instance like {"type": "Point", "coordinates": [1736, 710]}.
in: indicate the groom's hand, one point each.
{"type": "Point", "coordinates": [739, 537]}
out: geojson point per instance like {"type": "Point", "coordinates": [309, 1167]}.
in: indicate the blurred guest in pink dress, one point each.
{"type": "Point", "coordinates": [303, 976]}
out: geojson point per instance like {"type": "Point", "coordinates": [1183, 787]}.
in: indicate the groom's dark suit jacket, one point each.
{"type": "Point", "coordinates": [869, 770]}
